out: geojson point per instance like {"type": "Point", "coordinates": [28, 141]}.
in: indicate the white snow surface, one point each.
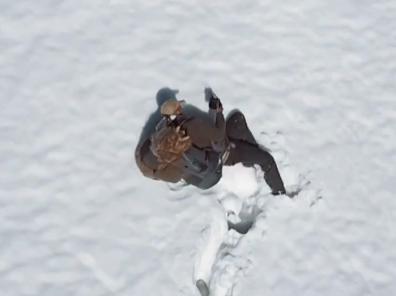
{"type": "Point", "coordinates": [317, 83]}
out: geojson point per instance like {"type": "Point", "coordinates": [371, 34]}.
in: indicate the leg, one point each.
{"type": "Point", "coordinates": [236, 127]}
{"type": "Point", "coordinates": [250, 154]}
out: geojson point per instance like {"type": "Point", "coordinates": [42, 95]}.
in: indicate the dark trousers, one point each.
{"type": "Point", "coordinates": [245, 150]}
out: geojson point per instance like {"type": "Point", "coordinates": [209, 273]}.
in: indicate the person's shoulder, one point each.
{"type": "Point", "coordinates": [193, 112]}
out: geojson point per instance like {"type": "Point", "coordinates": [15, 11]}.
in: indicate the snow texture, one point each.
{"type": "Point", "coordinates": [316, 81]}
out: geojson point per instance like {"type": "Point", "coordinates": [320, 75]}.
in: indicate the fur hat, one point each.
{"type": "Point", "coordinates": [172, 107]}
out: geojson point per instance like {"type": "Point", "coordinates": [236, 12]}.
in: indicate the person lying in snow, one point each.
{"type": "Point", "coordinates": [181, 142]}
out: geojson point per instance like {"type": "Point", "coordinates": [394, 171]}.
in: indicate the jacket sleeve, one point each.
{"type": "Point", "coordinates": [217, 118]}
{"type": "Point", "coordinates": [216, 129]}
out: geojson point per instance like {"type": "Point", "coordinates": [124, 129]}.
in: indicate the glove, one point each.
{"type": "Point", "coordinates": [214, 101]}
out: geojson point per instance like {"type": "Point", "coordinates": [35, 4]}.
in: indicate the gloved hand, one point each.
{"type": "Point", "coordinates": [214, 101]}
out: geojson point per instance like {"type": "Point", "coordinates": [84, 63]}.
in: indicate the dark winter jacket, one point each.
{"type": "Point", "coordinates": [201, 165]}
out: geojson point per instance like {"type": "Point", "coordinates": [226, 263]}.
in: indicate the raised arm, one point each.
{"type": "Point", "coordinates": [207, 131]}
{"type": "Point", "coordinates": [215, 108]}
{"type": "Point", "coordinates": [217, 132]}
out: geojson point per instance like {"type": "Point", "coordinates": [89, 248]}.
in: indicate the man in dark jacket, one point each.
{"type": "Point", "coordinates": [201, 164]}
{"type": "Point", "coordinates": [201, 144]}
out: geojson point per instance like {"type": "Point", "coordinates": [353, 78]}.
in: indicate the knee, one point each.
{"type": "Point", "coordinates": [233, 112]}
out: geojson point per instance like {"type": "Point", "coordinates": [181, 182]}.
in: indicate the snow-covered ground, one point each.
{"type": "Point", "coordinates": [317, 82]}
